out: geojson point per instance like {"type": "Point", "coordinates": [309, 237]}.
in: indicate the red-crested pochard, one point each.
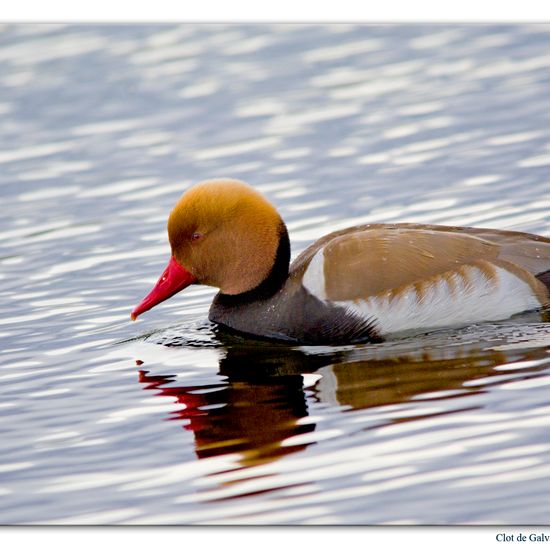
{"type": "Point", "coordinates": [355, 285]}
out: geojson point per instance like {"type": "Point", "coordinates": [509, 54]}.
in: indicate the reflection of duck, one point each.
{"type": "Point", "coordinates": [261, 402]}
{"type": "Point", "coordinates": [371, 381]}
{"type": "Point", "coordinates": [249, 418]}
{"type": "Point", "coordinates": [258, 407]}
{"type": "Point", "coordinates": [355, 285]}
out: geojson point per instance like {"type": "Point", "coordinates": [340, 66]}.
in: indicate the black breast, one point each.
{"type": "Point", "coordinates": [297, 317]}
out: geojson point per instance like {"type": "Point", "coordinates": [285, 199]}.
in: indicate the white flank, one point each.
{"type": "Point", "coordinates": [314, 277]}
{"type": "Point", "coordinates": [476, 299]}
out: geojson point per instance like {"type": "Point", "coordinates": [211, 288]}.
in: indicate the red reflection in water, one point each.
{"type": "Point", "coordinates": [252, 418]}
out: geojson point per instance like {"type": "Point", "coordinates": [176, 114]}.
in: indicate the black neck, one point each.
{"type": "Point", "coordinates": [272, 283]}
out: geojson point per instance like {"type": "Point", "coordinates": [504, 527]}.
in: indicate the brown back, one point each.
{"type": "Point", "coordinates": [370, 259]}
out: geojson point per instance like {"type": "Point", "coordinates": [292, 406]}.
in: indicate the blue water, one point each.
{"type": "Point", "coordinates": [168, 421]}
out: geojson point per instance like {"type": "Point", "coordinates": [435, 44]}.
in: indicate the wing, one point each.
{"type": "Point", "coordinates": [373, 259]}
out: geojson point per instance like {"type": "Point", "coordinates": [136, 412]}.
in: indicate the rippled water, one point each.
{"type": "Point", "coordinates": [167, 420]}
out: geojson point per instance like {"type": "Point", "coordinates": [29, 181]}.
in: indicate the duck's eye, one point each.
{"type": "Point", "coordinates": [196, 236]}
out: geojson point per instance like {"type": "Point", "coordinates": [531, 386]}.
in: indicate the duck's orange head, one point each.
{"type": "Point", "coordinates": [222, 233]}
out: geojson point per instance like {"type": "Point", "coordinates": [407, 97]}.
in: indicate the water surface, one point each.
{"type": "Point", "coordinates": [170, 421]}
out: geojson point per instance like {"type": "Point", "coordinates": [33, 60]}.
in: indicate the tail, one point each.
{"type": "Point", "coordinates": [544, 277]}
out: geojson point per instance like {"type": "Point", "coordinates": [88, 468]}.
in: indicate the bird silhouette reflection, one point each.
{"type": "Point", "coordinates": [261, 400]}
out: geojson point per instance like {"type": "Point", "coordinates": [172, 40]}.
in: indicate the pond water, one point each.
{"type": "Point", "coordinates": [169, 421]}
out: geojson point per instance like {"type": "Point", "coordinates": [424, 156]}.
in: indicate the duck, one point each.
{"type": "Point", "coordinates": [363, 284]}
